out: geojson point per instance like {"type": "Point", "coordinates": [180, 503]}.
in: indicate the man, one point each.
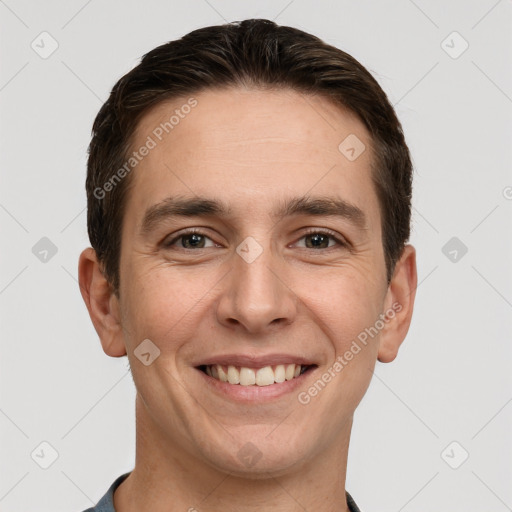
{"type": "Point", "coordinates": [249, 196]}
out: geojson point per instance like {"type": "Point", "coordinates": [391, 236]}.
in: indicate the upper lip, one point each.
{"type": "Point", "coordinates": [255, 361]}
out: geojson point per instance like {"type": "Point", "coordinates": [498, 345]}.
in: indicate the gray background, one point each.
{"type": "Point", "coordinates": [451, 380]}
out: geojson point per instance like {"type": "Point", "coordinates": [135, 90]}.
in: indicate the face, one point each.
{"type": "Point", "coordinates": [251, 241]}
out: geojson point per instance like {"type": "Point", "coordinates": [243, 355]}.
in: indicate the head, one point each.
{"type": "Point", "coordinates": [285, 157]}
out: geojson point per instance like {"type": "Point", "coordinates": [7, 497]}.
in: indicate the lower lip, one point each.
{"type": "Point", "coordinates": [256, 393]}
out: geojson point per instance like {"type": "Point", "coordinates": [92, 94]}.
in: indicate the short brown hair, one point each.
{"type": "Point", "coordinates": [251, 53]}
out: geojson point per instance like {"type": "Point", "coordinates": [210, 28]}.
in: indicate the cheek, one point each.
{"type": "Point", "coordinates": [161, 303]}
{"type": "Point", "coordinates": [347, 311]}
{"type": "Point", "coordinates": [346, 303]}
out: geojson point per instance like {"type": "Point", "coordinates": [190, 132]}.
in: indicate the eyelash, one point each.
{"type": "Point", "coordinates": [312, 231]}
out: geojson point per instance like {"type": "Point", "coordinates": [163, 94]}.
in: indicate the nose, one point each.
{"type": "Point", "coordinates": [256, 296]}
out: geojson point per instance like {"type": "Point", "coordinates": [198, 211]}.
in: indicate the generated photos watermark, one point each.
{"type": "Point", "coordinates": [152, 140]}
{"type": "Point", "coordinates": [304, 397]}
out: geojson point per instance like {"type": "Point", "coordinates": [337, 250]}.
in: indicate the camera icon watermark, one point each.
{"type": "Point", "coordinates": [146, 352]}
{"type": "Point", "coordinates": [249, 249]}
{"type": "Point", "coordinates": [455, 455]}
{"type": "Point", "coordinates": [454, 249]}
{"type": "Point", "coordinates": [44, 250]}
{"type": "Point", "coordinates": [44, 45]}
{"type": "Point", "coordinates": [249, 454]}
{"type": "Point", "coordinates": [352, 147]}
{"type": "Point", "coordinates": [454, 45]}
{"type": "Point", "coordinates": [44, 455]}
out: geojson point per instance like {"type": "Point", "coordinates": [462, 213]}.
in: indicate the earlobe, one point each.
{"type": "Point", "coordinates": [400, 303]}
{"type": "Point", "coordinates": [102, 304]}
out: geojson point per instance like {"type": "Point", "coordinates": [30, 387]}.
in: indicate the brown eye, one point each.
{"type": "Point", "coordinates": [322, 240]}
{"type": "Point", "coordinates": [317, 240]}
{"type": "Point", "coordinates": [191, 240]}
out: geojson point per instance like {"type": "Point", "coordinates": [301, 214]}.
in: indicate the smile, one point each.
{"type": "Point", "coordinates": [245, 376]}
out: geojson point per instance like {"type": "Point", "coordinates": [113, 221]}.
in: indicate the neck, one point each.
{"type": "Point", "coordinates": [167, 478]}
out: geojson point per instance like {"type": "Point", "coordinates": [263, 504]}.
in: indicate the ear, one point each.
{"type": "Point", "coordinates": [399, 303]}
{"type": "Point", "coordinates": [102, 303]}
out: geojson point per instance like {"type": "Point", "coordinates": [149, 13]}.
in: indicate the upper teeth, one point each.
{"type": "Point", "coordinates": [254, 376]}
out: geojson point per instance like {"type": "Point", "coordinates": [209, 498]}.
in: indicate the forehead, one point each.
{"type": "Point", "coordinates": [249, 146]}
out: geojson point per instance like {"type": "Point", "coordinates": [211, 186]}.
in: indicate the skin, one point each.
{"type": "Point", "coordinates": [252, 149]}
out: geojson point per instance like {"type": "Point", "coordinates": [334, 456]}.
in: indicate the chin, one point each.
{"type": "Point", "coordinates": [257, 457]}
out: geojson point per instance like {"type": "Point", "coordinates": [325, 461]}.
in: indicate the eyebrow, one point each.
{"type": "Point", "coordinates": [204, 207]}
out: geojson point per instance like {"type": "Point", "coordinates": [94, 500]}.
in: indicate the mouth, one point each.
{"type": "Point", "coordinates": [260, 377]}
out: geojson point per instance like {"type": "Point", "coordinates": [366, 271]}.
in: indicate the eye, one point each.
{"type": "Point", "coordinates": [316, 239]}
{"type": "Point", "coordinates": [195, 239]}
{"type": "Point", "coordinates": [192, 239]}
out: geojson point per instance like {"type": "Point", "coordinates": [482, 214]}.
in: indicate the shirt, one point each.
{"type": "Point", "coordinates": [106, 504]}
